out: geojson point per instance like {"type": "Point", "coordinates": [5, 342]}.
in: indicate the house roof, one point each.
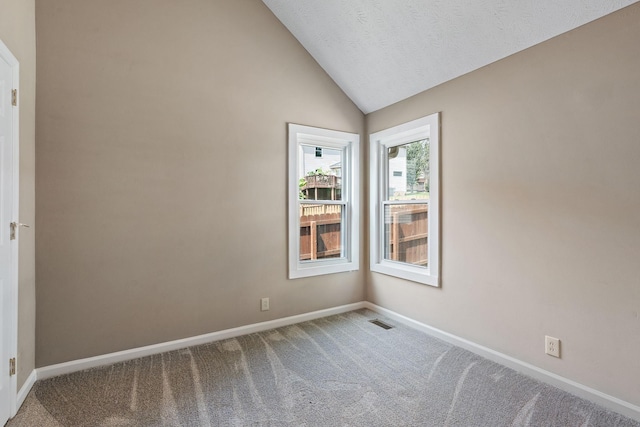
{"type": "Point", "coordinates": [383, 51]}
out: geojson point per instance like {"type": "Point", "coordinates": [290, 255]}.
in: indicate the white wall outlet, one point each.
{"type": "Point", "coordinates": [264, 304]}
{"type": "Point", "coordinates": [552, 346]}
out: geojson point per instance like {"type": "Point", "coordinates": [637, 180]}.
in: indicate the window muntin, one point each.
{"type": "Point", "coordinates": [323, 201]}
{"type": "Point", "coordinates": [405, 206]}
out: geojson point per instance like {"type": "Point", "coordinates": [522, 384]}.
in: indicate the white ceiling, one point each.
{"type": "Point", "coordinates": [383, 51]}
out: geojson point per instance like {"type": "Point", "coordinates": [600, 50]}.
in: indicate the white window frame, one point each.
{"type": "Point", "coordinates": [380, 142]}
{"type": "Point", "coordinates": [349, 143]}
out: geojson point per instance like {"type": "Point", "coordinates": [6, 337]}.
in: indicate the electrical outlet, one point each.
{"type": "Point", "coordinates": [264, 304]}
{"type": "Point", "coordinates": [552, 346]}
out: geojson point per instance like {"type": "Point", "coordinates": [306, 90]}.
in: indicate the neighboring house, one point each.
{"type": "Point", "coordinates": [314, 158]}
{"type": "Point", "coordinates": [398, 172]}
{"type": "Point", "coordinates": [325, 185]}
{"type": "Point", "coordinates": [336, 169]}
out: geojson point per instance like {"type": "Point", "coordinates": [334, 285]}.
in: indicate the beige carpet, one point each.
{"type": "Point", "coordinates": [337, 371]}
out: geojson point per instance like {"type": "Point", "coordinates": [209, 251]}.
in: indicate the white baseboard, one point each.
{"type": "Point", "coordinates": [121, 356]}
{"type": "Point", "coordinates": [620, 406]}
{"type": "Point", "coordinates": [25, 389]}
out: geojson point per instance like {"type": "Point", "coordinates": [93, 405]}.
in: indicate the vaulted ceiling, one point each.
{"type": "Point", "coordinates": [383, 51]}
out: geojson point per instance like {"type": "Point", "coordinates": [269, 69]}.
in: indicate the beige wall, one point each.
{"type": "Point", "coordinates": [162, 171]}
{"type": "Point", "coordinates": [540, 206]}
{"type": "Point", "coordinates": [17, 31]}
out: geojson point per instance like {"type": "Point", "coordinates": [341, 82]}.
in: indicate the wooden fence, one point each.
{"type": "Point", "coordinates": [320, 235]}
{"type": "Point", "coordinates": [405, 229]}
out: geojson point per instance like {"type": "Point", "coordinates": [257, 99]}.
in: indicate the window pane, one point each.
{"type": "Point", "coordinates": [408, 167]}
{"type": "Point", "coordinates": [405, 233]}
{"type": "Point", "coordinates": [320, 231]}
{"type": "Point", "coordinates": [320, 176]}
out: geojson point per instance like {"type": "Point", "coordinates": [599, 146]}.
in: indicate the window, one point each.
{"type": "Point", "coordinates": [323, 201]}
{"type": "Point", "coordinates": [405, 199]}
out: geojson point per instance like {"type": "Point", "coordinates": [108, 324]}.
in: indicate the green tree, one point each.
{"type": "Point", "coordinates": [301, 183]}
{"type": "Point", "coordinates": [418, 162]}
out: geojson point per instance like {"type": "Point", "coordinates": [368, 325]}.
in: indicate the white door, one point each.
{"type": "Point", "coordinates": [6, 213]}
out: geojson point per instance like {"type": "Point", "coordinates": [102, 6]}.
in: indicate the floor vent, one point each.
{"type": "Point", "coordinates": [381, 324]}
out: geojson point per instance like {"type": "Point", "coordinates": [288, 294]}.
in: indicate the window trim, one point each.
{"type": "Point", "coordinates": [306, 135]}
{"type": "Point", "coordinates": [428, 126]}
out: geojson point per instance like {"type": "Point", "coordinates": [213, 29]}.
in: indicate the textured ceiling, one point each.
{"type": "Point", "coordinates": [383, 51]}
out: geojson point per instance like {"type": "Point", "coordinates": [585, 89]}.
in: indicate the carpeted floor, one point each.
{"type": "Point", "coordinates": [336, 371]}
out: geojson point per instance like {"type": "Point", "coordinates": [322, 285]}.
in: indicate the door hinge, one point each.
{"type": "Point", "coordinates": [13, 226]}
{"type": "Point", "coordinates": [14, 97]}
{"type": "Point", "coordinates": [12, 366]}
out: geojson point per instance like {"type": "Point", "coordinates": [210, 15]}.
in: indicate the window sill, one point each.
{"type": "Point", "coordinates": [319, 268]}
{"type": "Point", "coordinates": [414, 274]}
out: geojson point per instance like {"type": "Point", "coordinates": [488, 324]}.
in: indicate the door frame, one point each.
{"type": "Point", "coordinates": [7, 56]}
